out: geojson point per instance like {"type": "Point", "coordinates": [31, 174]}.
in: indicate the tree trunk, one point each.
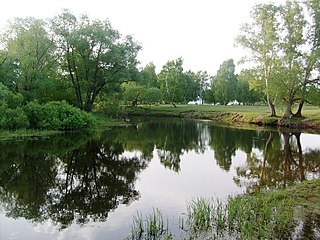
{"type": "Point", "coordinates": [272, 108]}
{"type": "Point", "coordinates": [299, 111]}
{"type": "Point", "coordinates": [288, 113]}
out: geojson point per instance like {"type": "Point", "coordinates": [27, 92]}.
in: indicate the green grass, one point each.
{"type": "Point", "coordinates": [271, 215]}
{"type": "Point", "coordinates": [150, 227]}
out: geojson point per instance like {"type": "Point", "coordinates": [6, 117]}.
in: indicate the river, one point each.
{"type": "Point", "coordinates": [89, 186]}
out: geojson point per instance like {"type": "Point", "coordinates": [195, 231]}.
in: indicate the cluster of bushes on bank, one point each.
{"type": "Point", "coordinates": [53, 115]}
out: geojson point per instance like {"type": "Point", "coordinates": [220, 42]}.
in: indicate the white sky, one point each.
{"type": "Point", "coordinates": [202, 32]}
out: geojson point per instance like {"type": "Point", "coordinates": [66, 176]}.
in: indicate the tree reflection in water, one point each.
{"type": "Point", "coordinates": [82, 182]}
{"type": "Point", "coordinates": [281, 163]}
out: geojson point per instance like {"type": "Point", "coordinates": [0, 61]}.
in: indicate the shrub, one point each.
{"type": "Point", "coordinates": [57, 116]}
{"type": "Point", "coordinates": [35, 114]}
{"type": "Point", "coordinates": [14, 119]}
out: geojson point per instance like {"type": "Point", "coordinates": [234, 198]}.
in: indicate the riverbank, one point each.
{"type": "Point", "coordinates": [257, 115]}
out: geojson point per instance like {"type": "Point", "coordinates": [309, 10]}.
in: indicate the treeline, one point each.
{"type": "Point", "coordinates": [90, 65]}
{"type": "Point", "coordinates": [175, 85]}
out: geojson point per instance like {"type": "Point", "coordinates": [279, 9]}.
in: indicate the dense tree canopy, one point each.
{"type": "Point", "coordinates": [94, 55]}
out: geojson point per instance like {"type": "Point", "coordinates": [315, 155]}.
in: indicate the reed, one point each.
{"type": "Point", "coordinates": [150, 227]}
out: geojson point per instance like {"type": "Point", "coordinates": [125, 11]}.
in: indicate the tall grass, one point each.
{"type": "Point", "coordinates": [270, 215]}
{"type": "Point", "coordinates": [150, 227]}
{"type": "Point", "coordinates": [245, 217]}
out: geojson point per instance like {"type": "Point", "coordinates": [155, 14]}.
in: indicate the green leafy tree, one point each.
{"type": "Point", "coordinates": [30, 51]}
{"type": "Point", "coordinates": [225, 82]}
{"type": "Point", "coordinates": [133, 92]}
{"type": "Point", "coordinates": [94, 55]}
{"type": "Point", "coordinates": [170, 79]}
{"type": "Point", "coordinates": [261, 38]}
{"type": "Point", "coordinates": [291, 73]}
{"type": "Point", "coordinates": [203, 81]}
{"type": "Point", "coordinates": [309, 90]}
{"type": "Point", "coordinates": [152, 95]}
{"type": "Point", "coordinates": [246, 93]}
{"type": "Point", "coordinates": [149, 76]}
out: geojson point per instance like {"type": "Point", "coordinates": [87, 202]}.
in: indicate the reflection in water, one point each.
{"type": "Point", "coordinates": [281, 163]}
{"type": "Point", "coordinates": [81, 178]}
{"type": "Point", "coordinates": [83, 181]}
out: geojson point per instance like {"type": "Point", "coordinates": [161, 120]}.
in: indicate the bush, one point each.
{"type": "Point", "coordinates": [8, 98]}
{"type": "Point", "coordinates": [14, 119]}
{"type": "Point", "coordinates": [35, 114]}
{"type": "Point", "coordinates": [57, 116]}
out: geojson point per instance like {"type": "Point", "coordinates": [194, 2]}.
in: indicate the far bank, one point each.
{"type": "Point", "coordinates": [257, 115]}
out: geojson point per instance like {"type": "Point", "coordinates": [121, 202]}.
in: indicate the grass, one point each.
{"type": "Point", "coordinates": [150, 227]}
{"type": "Point", "coordinates": [271, 215]}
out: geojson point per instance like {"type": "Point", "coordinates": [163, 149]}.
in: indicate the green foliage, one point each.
{"type": "Point", "coordinates": [109, 105]}
{"type": "Point", "coordinates": [133, 92]}
{"type": "Point", "coordinates": [13, 119]}
{"type": "Point", "coordinates": [57, 116]}
{"type": "Point", "coordinates": [176, 84]}
{"type": "Point", "coordinates": [225, 82]}
{"type": "Point", "coordinates": [149, 76]}
{"type": "Point", "coordinates": [95, 56]}
{"type": "Point", "coordinates": [28, 43]}
{"type": "Point", "coordinates": [8, 98]}
{"type": "Point", "coordinates": [152, 95]}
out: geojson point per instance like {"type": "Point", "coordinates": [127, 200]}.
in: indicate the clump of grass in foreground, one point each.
{"type": "Point", "coordinates": [248, 217]}
{"type": "Point", "coordinates": [150, 227]}
{"type": "Point", "coordinates": [272, 215]}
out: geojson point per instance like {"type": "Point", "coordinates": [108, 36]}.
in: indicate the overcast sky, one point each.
{"type": "Point", "coordinates": [202, 32]}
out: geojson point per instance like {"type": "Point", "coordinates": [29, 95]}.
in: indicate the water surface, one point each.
{"type": "Point", "coordinates": [89, 186]}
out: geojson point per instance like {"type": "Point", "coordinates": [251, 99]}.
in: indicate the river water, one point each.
{"type": "Point", "coordinates": [89, 186]}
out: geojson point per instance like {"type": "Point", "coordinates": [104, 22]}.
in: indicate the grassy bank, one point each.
{"type": "Point", "coordinates": [258, 115]}
{"type": "Point", "coordinates": [273, 215]}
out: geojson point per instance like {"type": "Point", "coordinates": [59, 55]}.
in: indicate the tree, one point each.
{"type": "Point", "coordinates": [203, 81]}
{"type": "Point", "coordinates": [95, 57]}
{"type": "Point", "coordinates": [152, 95]}
{"type": "Point", "coordinates": [244, 94]}
{"type": "Point", "coordinates": [225, 82]}
{"type": "Point", "coordinates": [149, 76]}
{"type": "Point", "coordinates": [261, 38]}
{"type": "Point", "coordinates": [292, 27]}
{"type": "Point", "coordinates": [30, 51]}
{"type": "Point", "coordinates": [170, 79]}
{"type": "Point", "coordinates": [310, 91]}
{"type": "Point", "coordinates": [133, 92]}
